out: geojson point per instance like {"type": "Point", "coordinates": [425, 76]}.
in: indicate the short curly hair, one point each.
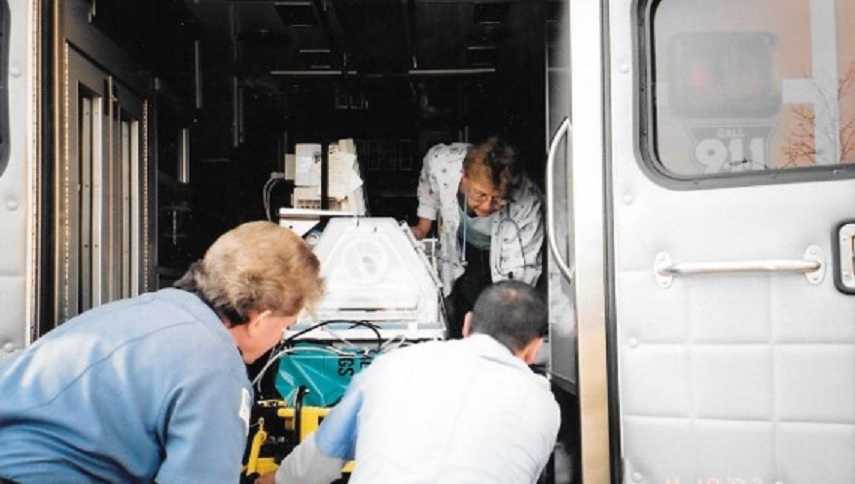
{"type": "Point", "coordinates": [256, 266]}
{"type": "Point", "coordinates": [494, 160]}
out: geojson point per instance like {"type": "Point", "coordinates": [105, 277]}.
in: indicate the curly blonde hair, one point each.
{"type": "Point", "coordinates": [256, 266]}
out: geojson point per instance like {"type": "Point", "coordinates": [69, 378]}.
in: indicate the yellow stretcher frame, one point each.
{"type": "Point", "coordinates": [310, 419]}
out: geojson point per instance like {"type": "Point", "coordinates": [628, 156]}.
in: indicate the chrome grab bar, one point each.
{"type": "Point", "coordinates": [563, 129]}
{"type": "Point", "coordinates": [741, 266]}
{"type": "Point", "coordinates": [812, 266]}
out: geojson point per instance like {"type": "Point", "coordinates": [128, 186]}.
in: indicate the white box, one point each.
{"type": "Point", "coordinates": [308, 172]}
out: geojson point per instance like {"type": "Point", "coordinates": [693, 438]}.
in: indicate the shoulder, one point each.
{"type": "Point", "coordinates": [527, 199]}
{"type": "Point", "coordinates": [127, 325]}
{"type": "Point", "coordinates": [131, 318]}
{"type": "Point", "coordinates": [446, 154]}
{"type": "Point", "coordinates": [543, 400]}
{"type": "Point", "coordinates": [528, 192]}
{"type": "Point", "coordinates": [408, 356]}
{"type": "Point", "coordinates": [416, 351]}
{"type": "Point", "coordinates": [188, 335]}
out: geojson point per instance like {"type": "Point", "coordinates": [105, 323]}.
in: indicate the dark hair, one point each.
{"type": "Point", "coordinates": [496, 159]}
{"type": "Point", "coordinates": [511, 312]}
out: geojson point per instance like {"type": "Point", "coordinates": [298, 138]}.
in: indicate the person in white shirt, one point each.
{"type": "Point", "coordinates": [450, 412]}
{"type": "Point", "coordinates": [490, 221]}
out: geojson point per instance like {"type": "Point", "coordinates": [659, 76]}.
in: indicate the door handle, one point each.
{"type": "Point", "coordinates": [812, 265]}
{"type": "Point", "coordinates": [844, 253]}
{"type": "Point", "coordinates": [563, 130]}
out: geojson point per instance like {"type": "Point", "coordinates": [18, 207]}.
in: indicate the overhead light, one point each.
{"type": "Point", "coordinates": [481, 55]}
{"type": "Point", "coordinates": [316, 58]}
{"type": "Point", "coordinates": [491, 13]}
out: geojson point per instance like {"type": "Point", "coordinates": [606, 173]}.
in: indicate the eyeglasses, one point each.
{"type": "Point", "coordinates": [478, 197]}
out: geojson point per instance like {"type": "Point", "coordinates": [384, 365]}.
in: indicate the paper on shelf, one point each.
{"type": "Point", "coordinates": [342, 174]}
{"type": "Point", "coordinates": [308, 172]}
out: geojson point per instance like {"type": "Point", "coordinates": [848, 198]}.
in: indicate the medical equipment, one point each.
{"type": "Point", "coordinates": [375, 271]}
{"type": "Point", "coordinates": [382, 292]}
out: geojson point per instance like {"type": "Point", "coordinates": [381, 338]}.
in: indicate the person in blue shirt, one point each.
{"type": "Point", "coordinates": [154, 388]}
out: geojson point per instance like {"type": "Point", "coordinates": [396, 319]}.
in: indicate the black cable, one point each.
{"type": "Point", "coordinates": [298, 411]}
{"type": "Point", "coordinates": [313, 327]}
{"type": "Point", "coordinates": [277, 350]}
{"type": "Point", "coordinates": [282, 343]}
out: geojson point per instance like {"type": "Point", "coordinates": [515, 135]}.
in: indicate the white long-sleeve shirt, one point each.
{"type": "Point", "coordinates": [455, 412]}
{"type": "Point", "coordinates": [516, 232]}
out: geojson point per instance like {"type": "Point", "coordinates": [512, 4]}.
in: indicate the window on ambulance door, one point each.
{"type": "Point", "coordinates": [750, 86]}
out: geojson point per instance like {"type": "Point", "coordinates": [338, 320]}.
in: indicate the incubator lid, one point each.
{"type": "Point", "coordinates": [375, 271]}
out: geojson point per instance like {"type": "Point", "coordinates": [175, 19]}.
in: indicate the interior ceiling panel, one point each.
{"type": "Point", "coordinates": [378, 36]}
{"type": "Point", "coordinates": [278, 35]}
{"type": "Point", "coordinates": [259, 17]}
{"type": "Point", "coordinates": [378, 30]}
{"type": "Point", "coordinates": [440, 34]}
{"type": "Point", "coordinates": [213, 17]}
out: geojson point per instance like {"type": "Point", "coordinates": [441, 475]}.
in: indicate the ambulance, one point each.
{"type": "Point", "coordinates": [697, 159]}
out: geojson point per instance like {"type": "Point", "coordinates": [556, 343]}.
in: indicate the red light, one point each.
{"type": "Point", "coordinates": [699, 76]}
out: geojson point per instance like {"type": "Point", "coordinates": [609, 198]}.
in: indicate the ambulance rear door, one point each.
{"type": "Point", "coordinates": [731, 200]}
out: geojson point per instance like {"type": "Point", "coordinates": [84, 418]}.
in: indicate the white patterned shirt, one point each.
{"type": "Point", "coordinates": [517, 230]}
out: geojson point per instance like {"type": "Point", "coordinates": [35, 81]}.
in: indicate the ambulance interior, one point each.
{"type": "Point", "coordinates": [277, 109]}
{"type": "Point", "coordinates": [394, 78]}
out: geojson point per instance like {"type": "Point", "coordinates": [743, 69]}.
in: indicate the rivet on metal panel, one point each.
{"type": "Point", "coordinates": [8, 348]}
{"type": "Point", "coordinates": [815, 254]}
{"type": "Point", "coordinates": [628, 198]}
{"type": "Point", "coordinates": [633, 342]}
{"type": "Point", "coordinates": [663, 278]}
{"type": "Point", "coordinates": [12, 204]}
{"type": "Point", "coordinates": [14, 70]}
{"type": "Point", "coordinates": [637, 477]}
{"type": "Point", "coordinates": [624, 68]}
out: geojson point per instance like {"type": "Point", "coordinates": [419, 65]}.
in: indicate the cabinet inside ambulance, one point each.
{"type": "Point", "coordinates": [213, 104]}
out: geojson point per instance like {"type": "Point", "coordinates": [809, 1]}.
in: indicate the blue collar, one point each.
{"type": "Point", "coordinates": [199, 310]}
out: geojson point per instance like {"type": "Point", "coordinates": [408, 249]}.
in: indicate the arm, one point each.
{"type": "Point", "coordinates": [427, 193]}
{"type": "Point", "coordinates": [422, 229]}
{"type": "Point", "coordinates": [319, 459]}
{"type": "Point", "coordinates": [521, 240]}
{"type": "Point", "coordinates": [550, 422]}
{"type": "Point", "coordinates": [438, 167]}
{"type": "Point", "coordinates": [306, 464]}
{"type": "Point", "coordinates": [202, 429]}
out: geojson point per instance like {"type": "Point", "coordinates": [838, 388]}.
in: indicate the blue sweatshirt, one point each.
{"type": "Point", "coordinates": [144, 389]}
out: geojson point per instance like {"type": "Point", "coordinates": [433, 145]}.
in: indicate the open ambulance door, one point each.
{"type": "Point", "coordinates": [716, 293]}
